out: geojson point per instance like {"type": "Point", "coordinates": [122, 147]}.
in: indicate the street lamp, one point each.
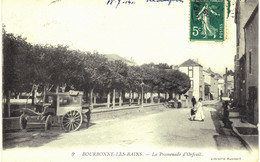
{"type": "Point", "coordinates": [142, 102]}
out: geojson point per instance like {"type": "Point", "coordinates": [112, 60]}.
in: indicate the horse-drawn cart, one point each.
{"type": "Point", "coordinates": [58, 108]}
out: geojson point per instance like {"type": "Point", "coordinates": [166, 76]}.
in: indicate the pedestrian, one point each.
{"type": "Point", "coordinates": [211, 96]}
{"type": "Point", "coordinates": [226, 121]}
{"type": "Point", "coordinates": [87, 115]}
{"type": "Point", "coordinates": [193, 101]}
{"type": "Point", "coordinates": [192, 113]}
{"type": "Point", "coordinates": [199, 114]}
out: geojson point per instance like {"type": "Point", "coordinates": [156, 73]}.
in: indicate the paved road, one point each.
{"type": "Point", "coordinates": [161, 128]}
{"type": "Point", "coordinates": [146, 131]}
{"type": "Point", "coordinates": [169, 128]}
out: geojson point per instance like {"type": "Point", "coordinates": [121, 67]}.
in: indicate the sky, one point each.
{"type": "Point", "coordinates": [144, 31]}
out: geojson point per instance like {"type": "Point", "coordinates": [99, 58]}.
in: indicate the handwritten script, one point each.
{"type": "Point", "coordinates": [170, 1]}
{"type": "Point", "coordinates": [118, 2]}
{"type": "Point", "coordinates": [131, 2]}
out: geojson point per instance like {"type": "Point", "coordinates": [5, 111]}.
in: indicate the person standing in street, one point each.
{"type": "Point", "coordinates": [226, 121]}
{"type": "Point", "coordinates": [192, 114]}
{"type": "Point", "coordinates": [193, 101]}
{"type": "Point", "coordinates": [199, 114]}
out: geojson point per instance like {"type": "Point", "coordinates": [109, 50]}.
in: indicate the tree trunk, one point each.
{"type": "Point", "coordinates": [57, 89]}
{"type": "Point", "coordinates": [120, 98]}
{"type": "Point", "coordinates": [151, 97]}
{"type": "Point", "coordinates": [133, 97]}
{"type": "Point", "coordinates": [130, 97]}
{"type": "Point", "coordinates": [34, 94]}
{"type": "Point", "coordinates": [16, 95]}
{"type": "Point", "coordinates": [145, 97]}
{"type": "Point", "coordinates": [114, 98]}
{"type": "Point", "coordinates": [139, 98]}
{"type": "Point", "coordinates": [123, 95]}
{"type": "Point", "coordinates": [63, 87]}
{"type": "Point", "coordinates": [108, 99]}
{"type": "Point", "coordinates": [91, 98]}
{"type": "Point", "coordinates": [86, 95]}
{"type": "Point", "coordinates": [159, 97]}
{"type": "Point", "coordinates": [8, 103]}
{"type": "Point", "coordinates": [170, 96]}
{"type": "Point", "coordinates": [44, 94]}
{"type": "Point", "coordinates": [95, 99]}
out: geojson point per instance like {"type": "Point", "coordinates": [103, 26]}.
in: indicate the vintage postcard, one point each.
{"type": "Point", "coordinates": [129, 80]}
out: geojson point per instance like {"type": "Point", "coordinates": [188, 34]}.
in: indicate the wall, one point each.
{"type": "Point", "coordinates": [198, 81]}
{"type": "Point", "coordinates": [251, 43]}
{"type": "Point", "coordinates": [244, 9]}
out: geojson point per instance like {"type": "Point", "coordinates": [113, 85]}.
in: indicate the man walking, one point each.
{"type": "Point", "coordinates": [193, 101]}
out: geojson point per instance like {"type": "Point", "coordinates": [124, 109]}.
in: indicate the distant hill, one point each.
{"type": "Point", "coordinates": [113, 57]}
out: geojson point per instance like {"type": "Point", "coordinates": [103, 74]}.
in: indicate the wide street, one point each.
{"type": "Point", "coordinates": [161, 128]}
{"type": "Point", "coordinates": [168, 128]}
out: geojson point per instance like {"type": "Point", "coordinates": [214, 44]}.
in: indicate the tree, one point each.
{"type": "Point", "coordinates": [15, 51]}
{"type": "Point", "coordinates": [176, 82]}
{"type": "Point", "coordinates": [96, 73]}
{"type": "Point", "coordinates": [162, 66]}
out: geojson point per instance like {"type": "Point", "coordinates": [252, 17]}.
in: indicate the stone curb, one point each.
{"type": "Point", "coordinates": [238, 135]}
{"type": "Point", "coordinates": [122, 108]}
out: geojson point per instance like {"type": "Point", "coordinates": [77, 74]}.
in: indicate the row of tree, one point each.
{"type": "Point", "coordinates": [50, 67]}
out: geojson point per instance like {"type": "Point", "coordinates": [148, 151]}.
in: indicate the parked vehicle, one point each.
{"type": "Point", "coordinates": [58, 108]}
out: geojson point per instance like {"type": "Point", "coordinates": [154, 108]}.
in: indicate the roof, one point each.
{"type": "Point", "coordinates": [190, 62]}
{"type": "Point", "coordinates": [251, 17]}
{"type": "Point", "coordinates": [210, 71]}
{"type": "Point", "coordinates": [218, 75]}
{"type": "Point", "coordinates": [113, 57]}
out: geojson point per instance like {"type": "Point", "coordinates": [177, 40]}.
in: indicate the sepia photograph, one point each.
{"type": "Point", "coordinates": [129, 80]}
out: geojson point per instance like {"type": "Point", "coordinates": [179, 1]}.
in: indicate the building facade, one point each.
{"type": "Point", "coordinates": [221, 85]}
{"type": "Point", "coordinates": [195, 72]}
{"type": "Point", "coordinates": [246, 59]}
{"type": "Point", "coordinates": [211, 80]}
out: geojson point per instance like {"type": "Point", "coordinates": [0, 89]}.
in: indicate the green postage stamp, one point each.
{"type": "Point", "coordinates": [207, 20]}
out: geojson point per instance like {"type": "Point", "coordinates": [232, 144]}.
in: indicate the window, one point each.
{"type": "Point", "coordinates": [190, 71]}
{"type": "Point", "coordinates": [191, 83]}
{"type": "Point", "coordinates": [250, 62]}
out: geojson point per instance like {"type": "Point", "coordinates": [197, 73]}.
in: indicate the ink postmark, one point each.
{"type": "Point", "coordinates": [207, 20]}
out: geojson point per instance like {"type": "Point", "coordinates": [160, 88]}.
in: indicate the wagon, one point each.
{"type": "Point", "coordinates": [64, 109]}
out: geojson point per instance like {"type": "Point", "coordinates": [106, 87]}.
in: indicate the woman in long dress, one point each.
{"type": "Point", "coordinates": [199, 114]}
{"type": "Point", "coordinates": [204, 15]}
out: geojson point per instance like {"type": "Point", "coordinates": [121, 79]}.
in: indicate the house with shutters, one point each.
{"type": "Point", "coordinates": [195, 72]}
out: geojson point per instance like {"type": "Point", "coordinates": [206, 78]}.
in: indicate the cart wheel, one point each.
{"type": "Point", "coordinates": [22, 122]}
{"type": "Point", "coordinates": [48, 123]}
{"type": "Point", "coordinates": [71, 121]}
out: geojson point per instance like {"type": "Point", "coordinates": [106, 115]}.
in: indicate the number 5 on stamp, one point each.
{"type": "Point", "coordinates": [207, 20]}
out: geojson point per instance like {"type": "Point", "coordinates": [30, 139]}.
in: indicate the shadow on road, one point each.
{"type": "Point", "coordinates": [221, 139]}
{"type": "Point", "coordinates": [225, 138]}
{"type": "Point", "coordinates": [29, 138]}
{"type": "Point", "coordinates": [34, 137]}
